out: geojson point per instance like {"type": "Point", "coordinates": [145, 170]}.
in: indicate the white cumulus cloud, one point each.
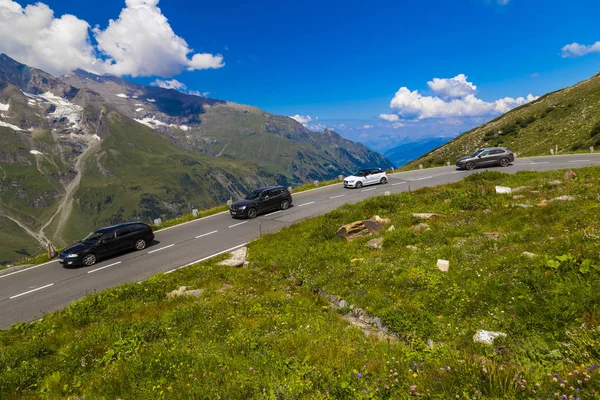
{"type": "Point", "coordinates": [140, 42]}
{"type": "Point", "coordinates": [169, 84]}
{"type": "Point", "coordinates": [453, 87]}
{"type": "Point", "coordinates": [389, 117]}
{"type": "Point", "coordinates": [367, 126]}
{"type": "Point", "coordinates": [577, 50]}
{"type": "Point", "coordinates": [303, 119]}
{"type": "Point", "coordinates": [458, 100]}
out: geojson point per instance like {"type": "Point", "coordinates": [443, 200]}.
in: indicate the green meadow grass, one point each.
{"type": "Point", "coordinates": [263, 332]}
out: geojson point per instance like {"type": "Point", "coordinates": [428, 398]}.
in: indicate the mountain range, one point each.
{"type": "Point", "coordinates": [82, 151]}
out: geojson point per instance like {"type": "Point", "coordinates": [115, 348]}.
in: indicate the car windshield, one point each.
{"type": "Point", "coordinates": [361, 173]}
{"type": "Point", "coordinates": [476, 153]}
{"type": "Point", "coordinates": [254, 195]}
{"type": "Point", "coordinates": [92, 237]}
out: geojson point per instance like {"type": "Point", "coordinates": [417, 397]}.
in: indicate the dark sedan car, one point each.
{"type": "Point", "coordinates": [262, 200]}
{"type": "Point", "coordinates": [107, 241]}
{"type": "Point", "coordinates": [485, 157]}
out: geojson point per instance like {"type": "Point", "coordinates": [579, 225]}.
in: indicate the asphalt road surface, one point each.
{"type": "Point", "coordinates": [26, 294]}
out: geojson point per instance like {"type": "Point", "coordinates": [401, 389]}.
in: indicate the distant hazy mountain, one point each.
{"type": "Point", "coordinates": [408, 151]}
{"type": "Point", "coordinates": [567, 120]}
{"type": "Point", "coordinates": [83, 151]}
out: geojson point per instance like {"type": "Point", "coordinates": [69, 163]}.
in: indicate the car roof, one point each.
{"type": "Point", "coordinates": [370, 169]}
{"type": "Point", "coordinates": [270, 187]}
{"type": "Point", "coordinates": [493, 148]}
{"type": "Point", "coordinates": [108, 228]}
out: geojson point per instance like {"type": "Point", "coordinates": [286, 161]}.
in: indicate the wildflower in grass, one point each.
{"type": "Point", "coordinates": [414, 375]}
{"type": "Point", "coordinates": [360, 375]}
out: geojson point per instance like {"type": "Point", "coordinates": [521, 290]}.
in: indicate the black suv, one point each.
{"type": "Point", "coordinates": [262, 200]}
{"type": "Point", "coordinates": [107, 241]}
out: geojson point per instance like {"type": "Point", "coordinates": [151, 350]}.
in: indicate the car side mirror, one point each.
{"type": "Point", "coordinates": [479, 156]}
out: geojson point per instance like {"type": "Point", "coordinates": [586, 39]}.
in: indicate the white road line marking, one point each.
{"type": "Point", "coordinates": [276, 212]}
{"type": "Point", "coordinates": [368, 190]}
{"type": "Point", "coordinates": [335, 197]}
{"type": "Point", "coordinates": [241, 223]}
{"type": "Point", "coordinates": [206, 234]}
{"type": "Point", "coordinates": [162, 248]}
{"type": "Point", "coordinates": [31, 291]}
{"type": "Point", "coordinates": [107, 266]}
{"type": "Point", "coordinates": [306, 204]}
{"type": "Point", "coordinates": [207, 258]}
{"type": "Point", "coordinates": [458, 172]}
{"type": "Point", "coordinates": [536, 163]}
{"type": "Point", "coordinates": [580, 161]}
{"type": "Point", "coordinates": [396, 184]}
{"type": "Point", "coordinates": [422, 179]}
{"type": "Point", "coordinates": [27, 269]}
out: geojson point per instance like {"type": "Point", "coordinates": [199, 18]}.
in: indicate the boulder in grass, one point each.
{"type": "Point", "coordinates": [420, 227]}
{"type": "Point", "coordinates": [426, 215]}
{"type": "Point", "coordinates": [362, 228]}
{"type": "Point", "coordinates": [503, 190]}
{"type": "Point", "coordinates": [375, 244]}
{"type": "Point", "coordinates": [487, 337]}
{"type": "Point", "coordinates": [563, 198]}
{"type": "Point", "coordinates": [443, 265]}
{"type": "Point", "coordinates": [237, 258]}
{"type": "Point", "coordinates": [529, 254]}
{"type": "Point", "coordinates": [182, 292]}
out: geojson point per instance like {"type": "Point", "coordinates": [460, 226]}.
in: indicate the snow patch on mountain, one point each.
{"type": "Point", "coordinates": [151, 100]}
{"type": "Point", "coordinates": [39, 153]}
{"type": "Point", "coordinates": [11, 126]}
{"type": "Point", "coordinates": [139, 109]}
{"type": "Point", "coordinates": [153, 123]}
{"type": "Point", "coordinates": [122, 95]}
{"type": "Point", "coordinates": [64, 108]}
{"type": "Point", "coordinates": [4, 107]}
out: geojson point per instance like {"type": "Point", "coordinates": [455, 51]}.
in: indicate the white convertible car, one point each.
{"type": "Point", "coordinates": [365, 177]}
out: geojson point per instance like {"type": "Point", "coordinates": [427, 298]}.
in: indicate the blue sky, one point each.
{"type": "Point", "coordinates": [339, 61]}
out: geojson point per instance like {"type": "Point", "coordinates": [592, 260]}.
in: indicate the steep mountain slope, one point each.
{"type": "Point", "coordinates": [70, 161]}
{"type": "Point", "coordinates": [278, 144]}
{"type": "Point", "coordinates": [568, 119]}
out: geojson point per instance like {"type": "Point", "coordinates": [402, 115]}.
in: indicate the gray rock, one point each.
{"type": "Point", "coordinates": [391, 228]}
{"type": "Point", "coordinates": [563, 198]}
{"type": "Point", "coordinates": [443, 265]}
{"type": "Point", "coordinates": [487, 337]}
{"type": "Point", "coordinates": [237, 258]}
{"type": "Point", "coordinates": [426, 215]}
{"type": "Point", "coordinates": [521, 188]}
{"type": "Point", "coordinates": [524, 205]}
{"type": "Point", "coordinates": [411, 247]}
{"type": "Point", "coordinates": [491, 235]}
{"type": "Point", "coordinates": [420, 227]}
{"type": "Point", "coordinates": [182, 291]}
{"type": "Point", "coordinates": [554, 183]}
{"type": "Point", "coordinates": [375, 244]}
{"type": "Point", "coordinates": [343, 303]}
{"type": "Point", "coordinates": [518, 196]}
{"type": "Point", "coordinates": [528, 254]}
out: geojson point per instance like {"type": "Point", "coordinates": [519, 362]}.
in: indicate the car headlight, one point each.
{"type": "Point", "coordinates": [242, 208]}
{"type": "Point", "coordinates": [72, 255]}
{"type": "Point", "coordinates": [351, 181]}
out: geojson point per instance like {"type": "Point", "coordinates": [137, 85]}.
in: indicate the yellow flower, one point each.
{"type": "Point", "coordinates": [414, 375]}
{"type": "Point", "coordinates": [169, 388]}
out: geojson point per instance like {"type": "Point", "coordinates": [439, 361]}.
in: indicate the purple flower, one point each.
{"type": "Point", "coordinates": [360, 375]}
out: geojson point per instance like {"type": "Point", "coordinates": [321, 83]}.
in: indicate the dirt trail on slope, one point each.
{"type": "Point", "coordinates": [41, 238]}
{"type": "Point", "coordinates": [66, 204]}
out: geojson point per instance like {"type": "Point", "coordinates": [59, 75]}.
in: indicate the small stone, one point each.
{"type": "Point", "coordinates": [518, 196]}
{"type": "Point", "coordinates": [379, 220]}
{"type": "Point", "coordinates": [391, 228]}
{"type": "Point", "coordinates": [491, 235]}
{"type": "Point", "coordinates": [420, 227]}
{"type": "Point", "coordinates": [520, 189]}
{"type": "Point", "coordinates": [528, 254]}
{"type": "Point", "coordinates": [426, 215]}
{"type": "Point", "coordinates": [554, 183]}
{"type": "Point", "coordinates": [563, 198]}
{"type": "Point", "coordinates": [487, 211]}
{"type": "Point", "coordinates": [503, 189]}
{"type": "Point", "coordinates": [430, 344]}
{"type": "Point", "coordinates": [411, 247]}
{"type": "Point", "coordinates": [375, 244]}
{"type": "Point", "coordinates": [524, 205]}
{"type": "Point", "coordinates": [343, 303]}
{"type": "Point", "coordinates": [542, 203]}
{"type": "Point", "coordinates": [487, 337]}
{"type": "Point", "coordinates": [570, 174]}
{"type": "Point", "coordinates": [443, 265]}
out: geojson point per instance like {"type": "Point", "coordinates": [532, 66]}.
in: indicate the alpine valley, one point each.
{"type": "Point", "coordinates": [82, 151]}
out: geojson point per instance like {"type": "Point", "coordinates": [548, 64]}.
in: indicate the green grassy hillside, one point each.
{"type": "Point", "coordinates": [568, 119]}
{"type": "Point", "coordinates": [268, 331]}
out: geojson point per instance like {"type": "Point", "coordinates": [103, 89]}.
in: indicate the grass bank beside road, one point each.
{"type": "Point", "coordinates": [263, 331]}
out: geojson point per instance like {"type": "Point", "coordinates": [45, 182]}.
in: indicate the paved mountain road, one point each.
{"type": "Point", "coordinates": [27, 294]}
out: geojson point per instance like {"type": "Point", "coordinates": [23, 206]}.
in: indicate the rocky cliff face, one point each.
{"type": "Point", "coordinates": [83, 151]}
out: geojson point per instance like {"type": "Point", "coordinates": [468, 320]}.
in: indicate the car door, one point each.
{"type": "Point", "coordinates": [108, 244]}
{"type": "Point", "coordinates": [496, 155]}
{"type": "Point", "coordinates": [275, 198]}
{"type": "Point", "coordinates": [485, 158]}
{"type": "Point", "coordinates": [126, 236]}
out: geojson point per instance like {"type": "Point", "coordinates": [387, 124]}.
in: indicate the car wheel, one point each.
{"type": "Point", "coordinates": [252, 213]}
{"type": "Point", "coordinates": [140, 244]}
{"type": "Point", "coordinates": [504, 162]}
{"type": "Point", "coordinates": [383, 180]}
{"type": "Point", "coordinates": [358, 185]}
{"type": "Point", "coordinates": [285, 204]}
{"type": "Point", "coordinates": [470, 166]}
{"type": "Point", "coordinates": [88, 260]}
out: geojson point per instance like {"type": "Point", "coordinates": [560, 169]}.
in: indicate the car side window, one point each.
{"type": "Point", "coordinates": [124, 231]}
{"type": "Point", "coordinates": [497, 151]}
{"type": "Point", "coordinates": [276, 192]}
{"type": "Point", "coordinates": [485, 153]}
